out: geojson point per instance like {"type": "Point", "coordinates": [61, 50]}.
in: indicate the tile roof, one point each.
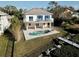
{"type": "Point", "coordinates": [37, 11]}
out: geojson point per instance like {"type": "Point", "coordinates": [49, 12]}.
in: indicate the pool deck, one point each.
{"type": "Point", "coordinates": [29, 37]}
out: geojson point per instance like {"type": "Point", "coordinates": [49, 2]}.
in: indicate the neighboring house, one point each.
{"type": "Point", "coordinates": [67, 14]}
{"type": "Point", "coordinates": [38, 18]}
{"type": "Point", "coordinates": [75, 15]}
{"type": "Point", "coordinates": [4, 22]}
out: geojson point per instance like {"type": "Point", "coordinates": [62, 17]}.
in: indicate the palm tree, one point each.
{"type": "Point", "coordinates": [53, 4]}
{"type": "Point", "coordinates": [16, 28]}
{"type": "Point", "coordinates": [19, 14]}
{"type": "Point", "coordinates": [10, 9]}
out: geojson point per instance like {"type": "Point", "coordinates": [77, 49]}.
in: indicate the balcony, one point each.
{"type": "Point", "coordinates": [46, 20]}
{"type": "Point", "coordinates": [40, 20]}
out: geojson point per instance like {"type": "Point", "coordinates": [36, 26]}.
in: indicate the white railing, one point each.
{"type": "Point", "coordinates": [68, 41]}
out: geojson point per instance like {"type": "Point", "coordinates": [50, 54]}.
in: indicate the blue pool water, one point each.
{"type": "Point", "coordinates": [39, 32]}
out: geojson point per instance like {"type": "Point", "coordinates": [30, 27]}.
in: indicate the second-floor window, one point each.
{"type": "Point", "coordinates": [30, 18]}
{"type": "Point", "coordinates": [47, 17]}
{"type": "Point", "coordinates": [39, 18]}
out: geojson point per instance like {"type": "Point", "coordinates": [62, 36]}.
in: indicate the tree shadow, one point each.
{"type": "Point", "coordinates": [10, 45]}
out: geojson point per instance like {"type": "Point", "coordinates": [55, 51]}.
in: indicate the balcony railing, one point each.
{"type": "Point", "coordinates": [43, 20]}
{"type": "Point", "coordinates": [38, 20]}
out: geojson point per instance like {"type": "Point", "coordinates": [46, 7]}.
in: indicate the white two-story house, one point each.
{"type": "Point", "coordinates": [4, 22]}
{"type": "Point", "coordinates": [37, 18]}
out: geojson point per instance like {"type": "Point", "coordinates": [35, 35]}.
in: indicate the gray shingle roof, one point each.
{"type": "Point", "coordinates": [37, 11]}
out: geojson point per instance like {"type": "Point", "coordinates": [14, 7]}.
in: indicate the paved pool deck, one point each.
{"type": "Point", "coordinates": [29, 37]}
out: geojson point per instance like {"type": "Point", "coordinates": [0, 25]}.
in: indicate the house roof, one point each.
{"type": "Point", "coordinates": [2, 13]}
{"type": "Point", "coordinates": [37, 11]}
{"type": "Point", "coordinates": [74, 26]}
{"type": "Point", "coordinates": [8, 16]}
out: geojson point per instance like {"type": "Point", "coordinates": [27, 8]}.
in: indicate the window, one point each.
{"type": "Point", "coordinates": [37, 24]}
{"type": "Point", "coordinates": [47, 17]}
{"type": "Point", "coordinates": [39, 17]}
{"type": "Point", "coordinates": [29, 24]}
{"type": "Point", "coordinates": [44, 23]}
{"type": "Point", "coordinates": [30, 18]}
{"type": "Point", "coordinates": [48, 23]}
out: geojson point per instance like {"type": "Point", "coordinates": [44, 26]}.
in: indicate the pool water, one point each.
{"type": "Point", "coordinates": [39, 32]}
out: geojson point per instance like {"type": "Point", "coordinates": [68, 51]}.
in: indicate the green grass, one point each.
{"type": "Point", "coordinates": [3, 45]}
{"type": "Point", "coordinates": [76, 37]}
{"type": "Point", "coordinates": [67, 51]}
{"type": "Point", "coordinates": [33, 47]}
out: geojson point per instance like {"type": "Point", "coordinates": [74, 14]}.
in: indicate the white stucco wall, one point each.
{"type": "Point", "coordinates": [1, 29]}
{"type": "Point", "coordinates": [5, 19]}
{"type": "Point", "coordinates": [52, 19]}
{"type": "Point", "coordinates": [4, 23]}
{"type": "Point", "coordinates": [75, 15]}
{"type": "Point", "coordinates": [26, 18]}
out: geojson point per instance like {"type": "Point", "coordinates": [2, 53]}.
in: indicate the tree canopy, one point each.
{"type": "Point", "coordinates": [12, 10]}
{"type": "Point", "coordinates": [60, 13]}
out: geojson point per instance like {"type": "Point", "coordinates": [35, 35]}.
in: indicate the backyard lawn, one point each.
{"type": "Point", "coordinates": [34, 47]}
{"type": "Point", "coordinates": [3, 45]}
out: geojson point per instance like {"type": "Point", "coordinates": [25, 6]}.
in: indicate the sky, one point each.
{"type": "Point", "coordinates": [37, 4]}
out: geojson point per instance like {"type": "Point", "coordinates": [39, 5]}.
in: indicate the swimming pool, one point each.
{"type": "Point", "coordinates": [39, 32]}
